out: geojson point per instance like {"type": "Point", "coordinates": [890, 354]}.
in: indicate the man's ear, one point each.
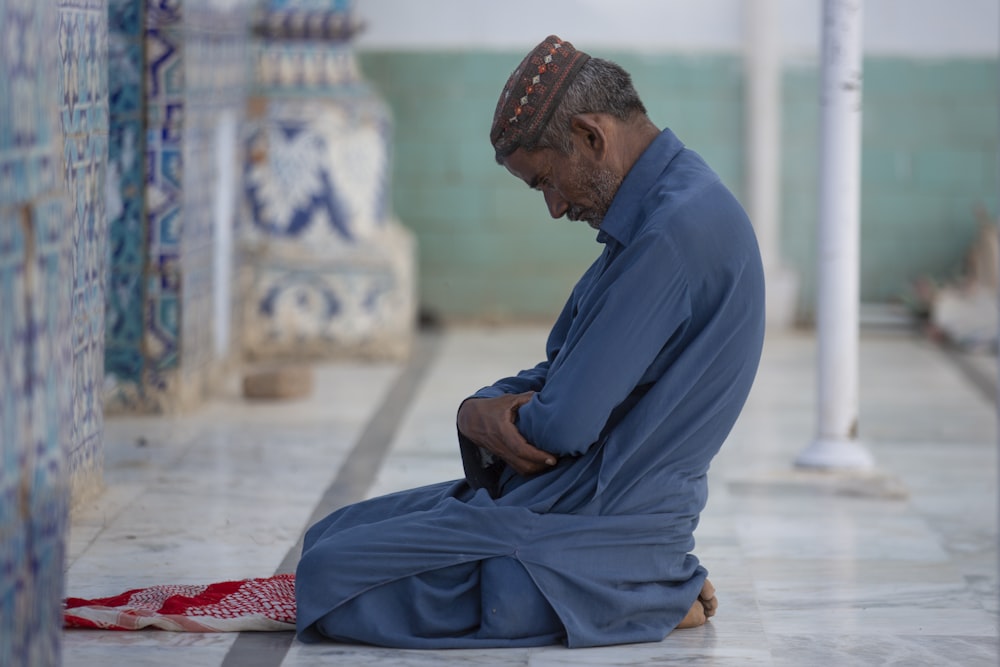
{"type": "Point", "coordinates": [589, 131]}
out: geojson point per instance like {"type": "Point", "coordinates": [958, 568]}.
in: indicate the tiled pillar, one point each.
{"type": "Point", "coordinates": [215, 41]}
{"type": "Point", "coordinates": [326, 268]}
{"type": "Point", "coordinates": [183, 76]}
{"type": "Point", "coordinates": [124, 360]}
{"type": "Point", "coordinates": [53, 114]}
{"type": "Point", "coordinates": [83, 112]}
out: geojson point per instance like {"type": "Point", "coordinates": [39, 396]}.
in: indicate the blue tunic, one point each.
{"type": "Point", "coordinates": [646, 371]}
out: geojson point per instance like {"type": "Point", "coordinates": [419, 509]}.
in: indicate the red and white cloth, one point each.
{"type": "Point", "coordinates": [233, 606]}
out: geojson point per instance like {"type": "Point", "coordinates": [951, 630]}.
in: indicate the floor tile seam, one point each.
{"type": "Point", "coordinates": [359, 468]}
{"type": "Point", "coordinates": [357, 471]}
{"type": "Point", "coordinates": [759, 618]}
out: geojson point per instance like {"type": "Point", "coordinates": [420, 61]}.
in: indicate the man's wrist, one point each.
{"type": "Point", "coordinates": [458, 415]}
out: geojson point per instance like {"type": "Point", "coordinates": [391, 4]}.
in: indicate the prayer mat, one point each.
{"type": "Point", "coordinates": [263, 604]}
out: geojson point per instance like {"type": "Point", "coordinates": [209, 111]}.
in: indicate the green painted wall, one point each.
{"type": "Point", "coordinates": [488, 248]}
{"type": "Point", "coordinates": [929, 157]}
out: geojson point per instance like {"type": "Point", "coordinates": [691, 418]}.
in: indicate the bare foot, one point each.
{"type": "Point", "coordinates": [702, 609]}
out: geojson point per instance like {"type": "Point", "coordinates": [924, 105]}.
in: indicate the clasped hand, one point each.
{"type": "Point", "coordinates": [491, 424]}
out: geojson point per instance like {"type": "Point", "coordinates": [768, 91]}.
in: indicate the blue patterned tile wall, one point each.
{"type": "Point", "coordinates": [216, 85]}
{"type": "Point", "coordinates": [124, 361]}
{"type": "Point", "coordinates": [164, 124]}
{"type": "Point", "coordinates": [34, 339]}
{"type": "Point", "coordinates": [83, 92]}
{"type": "Point", "coordinates": [35, 268]}
{"type": "Point", "coordinates": [52, 120]}
{"type": "Point", "coordinates": [181, 67]}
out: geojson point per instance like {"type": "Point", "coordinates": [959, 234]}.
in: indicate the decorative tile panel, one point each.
{"type": "Point", "coordinates": [320, 304]}
{"type": "Point", "coordinates": [194, 70]}
{"type": "Point", "coordinates": [83, 113]}
{"type": "Point", "coordinates": [317, 172]}
{"type": "Point", "coordinates": [328, 270]}
{"type": "Point", "coordinates": [43, 493]}
{"type": "Point", "coordinates": [307, 69]}
{"type": "Point", "coordinates": [216, 76]}
{"type": "Point", "coordinates": [52, 113]}
{"type": "Point", "coordinates": [163, 13]}
{"type": "Point", "coordinates": [123, 361]}
{"type": "Point", "coordinates": [29, 579]}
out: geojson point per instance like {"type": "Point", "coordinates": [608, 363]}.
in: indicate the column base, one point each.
{"type": "Point", "coordinates": [837, 454]}
{"type": "Point", "coordinates": [357, 300]}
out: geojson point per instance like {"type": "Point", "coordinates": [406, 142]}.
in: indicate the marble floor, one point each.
{"type": "Point", "coordinates": [896, 568]}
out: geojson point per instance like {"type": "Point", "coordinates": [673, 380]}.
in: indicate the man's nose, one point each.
{"type": "Point", "coordinates": [557, 205]}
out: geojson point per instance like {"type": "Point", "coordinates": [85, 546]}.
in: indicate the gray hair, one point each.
{"type": "Point", "coordinates": [601, 86]}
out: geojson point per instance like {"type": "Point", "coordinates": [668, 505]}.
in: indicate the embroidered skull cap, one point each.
{"type": "Point", "coordinates": [532, 93]}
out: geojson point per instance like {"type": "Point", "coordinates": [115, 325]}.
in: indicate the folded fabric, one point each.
{"type": "Point", "coordinates": [263, 604]}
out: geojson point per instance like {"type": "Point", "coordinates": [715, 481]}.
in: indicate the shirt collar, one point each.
{"type": "Point", "coordinates": [620, 221]}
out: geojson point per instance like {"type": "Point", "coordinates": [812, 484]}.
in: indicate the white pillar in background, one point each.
{"type": "Point", "coordinates": [836, 445]}
{"type": "Point", "coordinates": [762, 57]}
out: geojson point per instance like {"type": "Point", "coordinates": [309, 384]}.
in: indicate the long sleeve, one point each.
{"type": "Point", "coordinates": [482, 469]}
{"type": "Point", "coordinates": [533, 379]}
{"type": "Point", "coordinates": [624, 321]}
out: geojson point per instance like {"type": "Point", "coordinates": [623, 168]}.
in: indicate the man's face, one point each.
{"type": "Point", "coordinates": [572, 186]}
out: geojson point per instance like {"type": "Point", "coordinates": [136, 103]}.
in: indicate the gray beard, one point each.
{"type": "Point", "coordinates": [603, 185]}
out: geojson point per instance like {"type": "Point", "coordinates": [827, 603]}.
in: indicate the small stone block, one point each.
{"type": "Point", "coordinates": [282, 382]}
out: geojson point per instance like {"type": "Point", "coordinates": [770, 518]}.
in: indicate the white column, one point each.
{"type": "Point", "coordinates": [226, 152]}
{"type": "Point", "coordinates": [762, 57]}
{"type": "Point", "coordinates": [836, 444]}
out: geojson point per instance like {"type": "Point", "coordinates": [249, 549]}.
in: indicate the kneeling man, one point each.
{"type": "Point", "coordinates": [585, 475]}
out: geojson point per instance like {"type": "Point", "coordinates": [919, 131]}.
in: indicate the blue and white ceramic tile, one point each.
{"type": "Point", "coordinates": [124, 71]}
{"type": "Point", "coordinates": [332, 6]}
{"type": "Point", "coordinates": [164, 182]}
{"type": "Point", "coordinates": [124, 361]}
{"type": "Point", "coordinates": [216, 86]}
{"type": "Point", "coordinates": [359, 302]}
{"type": "Point", "coordinates": [164, 187]}
{"type": "Point", "coordinates": [343, 307]}
{"type": "Point", "coordinates": [321, 179]}
{"type": "Point", "coordinates": [83, 92]}
{"type": "Point", "coordinates": [28, 125]}
{"type": "Point", "coordinates": [307, 68]}
{"type": "Point", "coordinates": [328, 269]}
{"type": "Point", "coordinates": [323, 20]}
{"type": "Point", "coordinates": [125, 17]}
{"type": "Point", "coordinates": [36, 268]}
{"type": "Point", "coordinates": [192, 77]}
{"type": "Point", "coordinates": [51, 361]}
{"type": "Point", "coordinates": [53, 107]}
{"type": "Point", "coordinates": [162, 13]}
{"type": "Point", "coordinates": [15, 431]}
